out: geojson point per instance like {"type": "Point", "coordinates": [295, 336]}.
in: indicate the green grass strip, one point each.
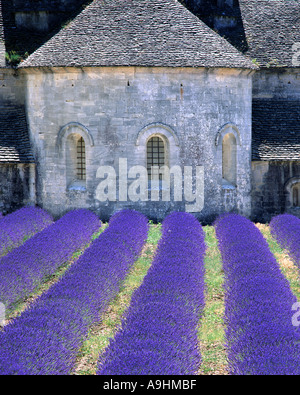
{"type": "Point", "coordinates": [110, 322]}
{"type": "Point", "coordinates": [49, 281]}
{"type": "Point", "coordinates": [287, 266]}
{"type": "Point", "coordinates": [211, 329]}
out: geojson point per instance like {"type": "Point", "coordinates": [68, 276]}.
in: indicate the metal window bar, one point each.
{"type": "Point", "coordinates": [81, 162]}
{"type": "Point", "coordinates": [155, 154]}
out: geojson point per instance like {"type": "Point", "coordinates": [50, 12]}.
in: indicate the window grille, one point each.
{"type": "Point", "coordinates": [155, 154]}
{"type": "Point", "coordinates": [81, 162]}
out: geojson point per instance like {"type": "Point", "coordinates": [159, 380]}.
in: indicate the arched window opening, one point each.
{"type": "Point", "coordinates": [81, 163]}
{"type": "Point", "coordinates": [296, 195]}
{"type": "Point", "coordinates": [229, 159]}
{"type": "Point", "coordinates": [75, 161]}
{"type": "Point", "coordinates": [155, 156]}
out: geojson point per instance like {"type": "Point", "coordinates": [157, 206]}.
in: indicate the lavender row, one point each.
{"type": "Point", "coordinates": [159, 334]}
{"type": "Point", "coordinates": [26, 267]}
{"type": "Point", "coordinates": [285, 229]}
{"type": "Point", "coordinates": [18, 226]}
{"type": "Point", "coordinates": [46, 338]}
{"type": "Point", "coordinates": [261, 339]}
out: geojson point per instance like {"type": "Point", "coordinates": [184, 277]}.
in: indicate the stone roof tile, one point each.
{"type": "Point", "coordinates": [271, 28]}
{"type": "Point", "coordinates": [14, 139]}
{"type": "Point", "coordinates": [276, 130]}
{"type": "Point", "coordinates": [137, 33]}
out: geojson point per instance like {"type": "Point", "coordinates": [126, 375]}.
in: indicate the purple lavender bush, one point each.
{"type": "Point", "coordinates": [46, 338]}
{"type": "Point", "coordinates": [285, 228]}
{"type": "Point", "coordinates": [20, 225]}
{"type": "Point", "coordinates": [261, 339]}
{"type": "Point", "coordinates": [27, 266]}
{"type": "Point", "coordinates": [159, 333]}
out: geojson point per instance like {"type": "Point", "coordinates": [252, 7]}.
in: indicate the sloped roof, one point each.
{"type": "Point", "coordinates": [276, 129]}
{"type": "Point", "coordinates": [271, 28]}
{"type": "Point", "coordinates": [1, 23]}
{"type": "Point", "coordinates": [137, 33]}
{"type": "Point", "coordinates": [14, 139]}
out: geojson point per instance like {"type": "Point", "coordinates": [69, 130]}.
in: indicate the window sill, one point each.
{"type": "Point", "coordinates": [78, 186]}
{"type": "Point", "coordinates": [228, 185]}
{"type": "Point", "coordinates": [162, 186]}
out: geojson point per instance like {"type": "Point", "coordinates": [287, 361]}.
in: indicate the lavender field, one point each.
{"type": "Point", "coordinates": [130, 297]}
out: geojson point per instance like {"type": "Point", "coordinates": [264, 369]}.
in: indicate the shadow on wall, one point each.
{"type": "Point", "coordinates": [275, 189]}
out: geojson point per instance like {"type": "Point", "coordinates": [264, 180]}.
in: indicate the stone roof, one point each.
{"type": "Point", "coordinates": [271, 27]}
{"type": "Point", "coordinates": [137, 33]}
{"type": "Point", "coordinates": [14, 139]}
{"type": "Point", "coordinates": [265, 30]}
{"type": "Point", "coordinates": [1, 24]}
{"type": "Point", "coordinates": [276, 130]}
{"type": "Point", "coordinates": [44, 18]}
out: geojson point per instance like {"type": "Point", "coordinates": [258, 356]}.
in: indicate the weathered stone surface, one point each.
{"type": "Point", "coordinates": [17, 187]}
{"type": "Point", "coordinates": [117, 107]}
{"type": "Point", "coordinates": [180, 81]}
{"type": "Point", "coordinates": [12, 89]}
{"type": "Point", "coordinates": [277, 84]}
{"type": "Point", "coordinates": [270, 191]}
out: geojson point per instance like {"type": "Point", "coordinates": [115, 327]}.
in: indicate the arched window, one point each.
{"type": "Point", "coordinates": [296, 195]}
{"type": "Point", "coordinates": [156, 156]}
{"type": "Point", "coordinates": [292, 193]}
{"type": "Point", "coordinates": [74, 147]}
{"type": "Point", "coordinates": [229, 159]}
{"type": "Point", "coordinates": [75, 161]}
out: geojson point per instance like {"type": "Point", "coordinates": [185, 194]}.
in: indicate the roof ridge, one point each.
{"type": "Point", "coordinates": [137, 33]}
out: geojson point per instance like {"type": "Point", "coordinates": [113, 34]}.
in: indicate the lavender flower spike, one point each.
{"type": "Point", "coordinates": [26, 267]}
{"type": "Point", "coordinates": [261, 338]}
{"type": "Point", "coordinates": [159, 334]}
{"type": "Point", "coordinates": [285, 228]}
{"type": "Point", "coordinates": [20, 225]}
{"type": "Point", "coordinates": [46, 338]}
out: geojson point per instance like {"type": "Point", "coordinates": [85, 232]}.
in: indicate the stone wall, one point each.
{"type": "Point", "coordinates": [17, 186]}
{"type": "Point", "coordinates": [276, 84]}
{"type": "Point", "coordinates": [2, 53]}
{"type": "Point", "coordinates": [270, 179]}
{"type": "Point", "coordinates": [12, 89]}
{"type": "Point", "coordinates": [271, 193]}
{"type": "Point", "coordinates": [43, 15]}
{"type": "Point", "coordinates": [116, 110]}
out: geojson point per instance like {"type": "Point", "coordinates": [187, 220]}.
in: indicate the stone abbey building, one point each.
{"type": "Point", "coordinates": [205, 93]}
